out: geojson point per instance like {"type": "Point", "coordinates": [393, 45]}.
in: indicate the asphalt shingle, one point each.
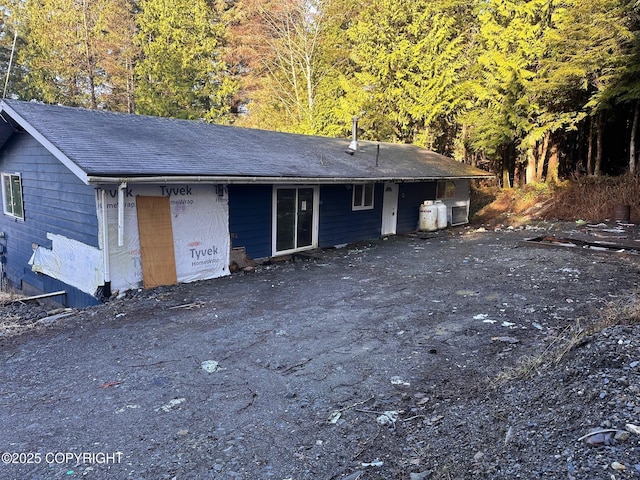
{"type": "Point", "coordinates": [111, 144]}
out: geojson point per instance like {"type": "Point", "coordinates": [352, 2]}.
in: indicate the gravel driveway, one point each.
{"type": "Point", "coordinates": [377, 361]}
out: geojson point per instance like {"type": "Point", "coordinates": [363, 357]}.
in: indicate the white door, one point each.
{"type": "Point", "coordinates": [390, 209]}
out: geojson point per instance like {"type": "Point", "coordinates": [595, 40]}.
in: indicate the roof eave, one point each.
{"type": "Point", "coordinates": [268, 180]}
{"type": "Point", "coordinates": [77, 171]}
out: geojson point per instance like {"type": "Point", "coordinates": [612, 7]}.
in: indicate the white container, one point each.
{"type": "Point", "coordinates": [428, 217]}
{"type": "Point", "coordinates": [442, 214]}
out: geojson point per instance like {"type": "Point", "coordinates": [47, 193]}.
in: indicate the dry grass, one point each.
{"type": "Point", "coordinates": [625, 311]}
{"type": "Point", "coordinates": [592, 199]}
{"type": "Point", "coordinates": [510, 206]}
{"type": "Point", "coordinates": [8, 297]}
{"type": "Point", "coordinates": [561, 344]}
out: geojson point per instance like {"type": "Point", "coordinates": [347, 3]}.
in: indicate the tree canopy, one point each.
{"type": "Point", "coordinates": [530, 89]}
{"type": "Point", "coordinates": [180, 72]}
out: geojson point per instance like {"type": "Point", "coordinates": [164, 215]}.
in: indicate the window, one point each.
{"type": "Point", "coordinates": [363, 196]}
{"type": "Point", "coordinates": [446, 189]}
{"type": "Point", "coordinates": [12, 195]}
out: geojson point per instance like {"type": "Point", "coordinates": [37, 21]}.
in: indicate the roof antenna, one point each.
{"type": "Point", "coordinates": [13, 49]}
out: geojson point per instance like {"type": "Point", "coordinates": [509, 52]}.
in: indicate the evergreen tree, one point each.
{"type": "Point", "coordinates": [57, 52]}
{"type": "Point", "coordinates": [528, 86]}
{"type": "Point", "coordinates": [181, 72]}
{"type": "Point", "coordinates": [410, 62]}
{"type": "Point", "coordinates": [587, 53]}
{"type": "Point", "coordinates": [504, 113]}
{"type": "Point", "coordinates": [72, 49]}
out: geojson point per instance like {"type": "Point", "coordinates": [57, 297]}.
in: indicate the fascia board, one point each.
{"type": "Point", "coordinates": [96, 180]}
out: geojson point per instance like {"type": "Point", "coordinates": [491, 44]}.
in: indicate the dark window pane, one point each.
{"type": "Point", "coordinates": [357, 195]}
{"type": "Point", "coordinates": [286, 221]}
{"type": "Point", "coordinates": [305, 217]}
{"type": "Point", "coordinates": [17, 196]}
{"type": "Point", "coordinates": [368, 195]}
{"type": "Point", "coordinates": [6, 187]}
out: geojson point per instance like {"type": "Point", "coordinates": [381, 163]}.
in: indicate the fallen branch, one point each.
{"type": "Point", "coordinates": [412, 418]}
{"type": "Point", "coordinates": [354, 405]}
{"type": "Point", "coordinates": [188, 306]}
{"type": "Point", "coordinates": [362, 410]}
{"type": "Point", "coordinates": [597, 432]}
{"type": "Point", "coordinates": [151, 364]}
{"type": "Point", "coordinates": [335, 415]}
{"type": "Point", "coordinates": [109, 384]}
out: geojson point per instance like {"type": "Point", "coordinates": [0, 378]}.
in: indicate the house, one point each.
{"type": "Point", "coordinates": [96, 202]}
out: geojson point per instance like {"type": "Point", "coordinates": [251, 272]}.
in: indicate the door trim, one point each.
{"type": "Point", "coordinates": [274, 218]}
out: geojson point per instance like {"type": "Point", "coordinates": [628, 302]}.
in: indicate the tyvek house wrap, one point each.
{"type": "Point", "coordinates": [199, 218]}
{"type": "Point", "coordinates": [71, 262]}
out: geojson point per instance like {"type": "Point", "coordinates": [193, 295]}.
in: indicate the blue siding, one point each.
{"type": "Point", "coordinates": [250, 218]}
{"type": "Point", "coordinates": [55, 201]}
{"type": "Point", "coordinates": [340, 224]}
{"type": "Point", "coordinates": [73, 297]}
{"type": "Point", "coordinates": [410, 197]}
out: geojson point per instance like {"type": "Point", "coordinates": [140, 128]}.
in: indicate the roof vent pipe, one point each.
{"type": "Point", "coordinates": [354, 134]}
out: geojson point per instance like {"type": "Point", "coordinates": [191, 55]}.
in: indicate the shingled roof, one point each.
{"type": "Point", "coordinates": [98, 145]}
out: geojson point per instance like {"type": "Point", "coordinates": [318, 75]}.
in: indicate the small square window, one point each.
{"type": "Point", "coordinates": [446, 189]}
{"type": "Point", "coordinates": [362, 196]}
{"type": "Point", "coordinates": [12, 195]}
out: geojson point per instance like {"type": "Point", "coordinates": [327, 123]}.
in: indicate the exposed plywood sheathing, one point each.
{"type": "Point", "coordinates": [156, 241]}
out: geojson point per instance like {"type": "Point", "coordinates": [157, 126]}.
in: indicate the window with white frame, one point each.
{"type": "Point", "coordinates": [12, 195]}
{"type": "Point", "coordinates": [362, 196]}
{"type": "Point", "coordinates": [446, 189]}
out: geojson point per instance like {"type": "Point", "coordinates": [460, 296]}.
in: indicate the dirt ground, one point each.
{"type": "Point", "coordinates": [393, 359]}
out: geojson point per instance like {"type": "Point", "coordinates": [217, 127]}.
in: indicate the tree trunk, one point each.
{"type": "Point", "coordinates": [597, 168]}
{"type": "Point", "coordinates": [632, 142]}
{"type": "Point", "coordinates": [553, 164]}
{"type": "Point", "coordinates": [89, 58]}
{"type": "Point", "coordinates": [590, 149]}
{"type": "Point", "coordinates": [517, 174]}
{"type": "Point", "coordinates": [542, 157]}
{"type": "Point", "coordinates": [131, 104]}
{"type": "Point", "coordinates": [465, 151]}
{"type": "Point", "coordinates": [506, 180]}
{"type": "Point", "coordinates": [506, 171]}
{"type": "Point", "coordinates": [509, 162]}
{"type": "Point", "coordinates": [530, 172]}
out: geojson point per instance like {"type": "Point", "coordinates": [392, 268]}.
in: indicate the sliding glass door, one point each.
{"type": "Point", "coordinates": [295, 218]}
